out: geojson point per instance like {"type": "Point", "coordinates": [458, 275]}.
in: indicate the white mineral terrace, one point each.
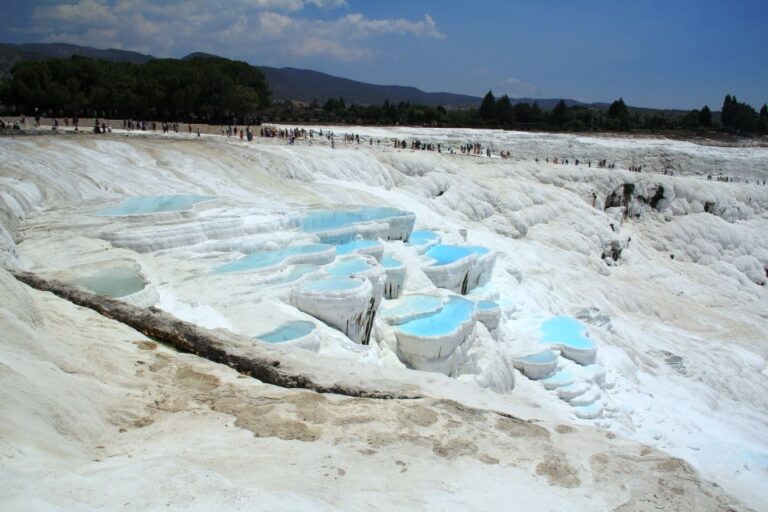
{"type": "Point", "coordinates": [623, 314]}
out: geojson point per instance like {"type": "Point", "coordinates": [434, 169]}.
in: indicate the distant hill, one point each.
{"type": "Point", "coordinates": [307, 85]}
{"type": "Point", "coordinates": [10, 54]}
{"type": "Point", "coordinates": [286, 83]}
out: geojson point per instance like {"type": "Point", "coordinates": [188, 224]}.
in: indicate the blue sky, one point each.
{"type": "Point", "coordinates": [672, 54]}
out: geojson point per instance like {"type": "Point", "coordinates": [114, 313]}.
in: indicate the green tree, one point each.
{"type": "Point", "coordinates": [523, 113]}
{"type": "Point", "coordinates": [657, 121]}
{"type": "Point", "coordinates": [744, 119]}
{"type": "Point", "coordinates": [738, 117]}
{"type": "Point", "coordinates": [762, 121]}
{"type": "Point", "coordinates": [691, 119]}
{"type": "Point", "coordinates": [705, 117]}
{"type": "Point", "coordinates": [559, 114]}
{"type": "Point", "coordinates": [167, 89]}
{"type": "Point", "coordinates": [726, 115]}
{"type": "Point", "coordinates": [504, 112]}
{"type": "Point", "coordinates": [618, 115]}
{"type": "Point", "coordinates": [335, 105]}
{"type": "Point", "coordinates": [536, 113]}
{"type": "Point", "coordinates": [488, 107]}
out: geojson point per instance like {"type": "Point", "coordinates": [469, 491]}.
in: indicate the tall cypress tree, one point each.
{"type": "Point", "coordinates": [536, 112]}
{"type": "Point", "coordinates": [488, 107]}
{"type": "Point", "coordinates": [705, 117]}
{"type": "Point", "coordinates": [523, 113]}
{"type": "Point", "coordinates": [762, 120]}
{"type": "Point", "coordinates": [618, 109]}
{"type": "Point", "coordinates": [619, 114]}
{"type": "Point", "coordinates": [726, 116]}
{"type": "Point", "coordinates": [560, 114]}
{"type": "Point", "coordinates": [504, 112]}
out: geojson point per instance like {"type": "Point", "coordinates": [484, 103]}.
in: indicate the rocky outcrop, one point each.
{"type": "Point", "coordinates": [240, 354]}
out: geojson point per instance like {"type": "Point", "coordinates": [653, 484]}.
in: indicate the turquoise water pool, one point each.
{"type": "Point", "coordinates": [566, 331]}
{"type": "Point", "coordinates": [287, 332]}
{"type": "Point", "coordinates": [486, 305]}
{"type": "Point", "coordinates": [267, 259]}
{"type": "Point", "coordinates": [330, 220]}
{"type": "Point", "coordinates": [332, 284]}
{"type": "Point", "coordinates": [294, 273]}
{"type": "Point", "coordinates": [411, 306]}
{"type": "Point", "coordinates": [445, 254]}
{"type": "Point", "coordinates": [112, 282]}
{"type": "Point", "coordinates": [543, 357]}
{"type": "Point", "coordinates": [455, 311]}
{"type": "Point", "coordinates": [390, 262]}
{"type": "Point", "coordinates": [151, 204]}
{"type": "Point", "coordinates": [423, 236]}
{"type": "Point", "coordinates": [478, 249]}
{"type": "Point", "coordinates": [348, 267]}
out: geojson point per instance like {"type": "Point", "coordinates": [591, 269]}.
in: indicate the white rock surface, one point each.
{"type": "Point", "coordinates": [684, 352]}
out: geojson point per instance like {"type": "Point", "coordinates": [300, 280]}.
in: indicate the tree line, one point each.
{"type": "Point", "coordinates": [217, 90]}
{"type": "Point", "coordinates": [737, 118]}
{"type": "Point", "coordinates": [208, 89]}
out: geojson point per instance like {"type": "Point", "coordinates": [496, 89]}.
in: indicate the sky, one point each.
{"type": "Point", "coordinates": [653, 53]}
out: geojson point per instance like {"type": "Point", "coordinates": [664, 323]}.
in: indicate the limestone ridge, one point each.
{"type": "Point", "coordinates": [239, 354]}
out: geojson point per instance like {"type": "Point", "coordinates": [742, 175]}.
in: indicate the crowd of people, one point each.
{"type": "Point", "coordinates": [470, 148]}
{"type": "Point", "coordinates": [9, 125]}
{"type": "Point", "coordinates": [21, 123]}
{"type": "Point", "coordinates": [731, 179]}
{"type": "Point", "coordinates": [291, 135]}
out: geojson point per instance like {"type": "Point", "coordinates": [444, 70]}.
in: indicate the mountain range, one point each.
{"type": "Point", "coordinates": [287, 83]}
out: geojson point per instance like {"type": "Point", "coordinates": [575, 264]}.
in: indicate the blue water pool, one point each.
{"type": "Point", "coordinates": [329, 220]}
{"type": "Point", "coordinates": [332, 284]}
{"type": "Point", "coordinates": [543, 357]}
{"type": "Point", "coordinates": [151, 204]}
{"type": "Point", "coordinates": [355, 245]}
{"type": "Point", "coordinates": [287, 332]}
{"type": "Point", "coordinates": [445, 254]}
{"type": "Point", "coordinates": [348, 267]}
{"type": "Point", "coordinates": [455, 312]}
{"type": "Point", "coordinates": [390, 262]}
{"type": "Point", "coordinates": [423, 236]}
{"type": "Point", "coordinates": [411, 306]}
{"type": "Point", "coordinates": [267, 259]}
{"type": "Point", "coordinates": [294, 273]}
{"type": "Point", "coordinates": [486, 305]}
{"type": "Point", "coordinates": [567, 331]}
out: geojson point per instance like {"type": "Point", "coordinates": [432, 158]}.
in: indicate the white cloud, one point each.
{"type": "Point", "coordinates": [358, 26]}
{"type": "Point", "coordinates": [274, 24]}
{"type": "Point", "coordinates": [84, 12]}
{"type": "Point", "coordinates": [226, 27]}
{"type": "Point", "coordinates": [327, 4]}
{"type": "Point", "coordinates": [313, 46]}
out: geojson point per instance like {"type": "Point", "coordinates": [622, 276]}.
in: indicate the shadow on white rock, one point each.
{"type": "Point", "coordinates": [459, 268]}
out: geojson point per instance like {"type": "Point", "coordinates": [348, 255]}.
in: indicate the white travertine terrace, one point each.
{"type": "Point", "coordinates": [346, 303]}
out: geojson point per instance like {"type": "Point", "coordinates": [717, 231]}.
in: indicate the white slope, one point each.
{"type": "Point", "coordinates": [684, 340]}
{"type": "Point", "coordinates": [97, 417]}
